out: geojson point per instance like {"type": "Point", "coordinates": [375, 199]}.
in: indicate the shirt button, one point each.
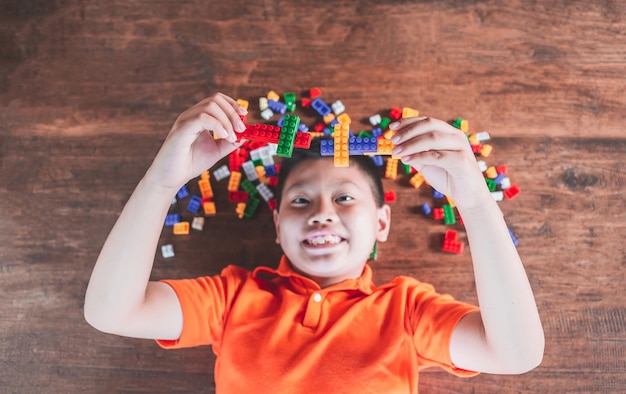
{"type": "Point", "coordinates": [317, 297]}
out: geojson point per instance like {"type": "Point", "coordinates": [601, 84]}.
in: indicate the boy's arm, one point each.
{"type": "Point", "coordinates": [506, 335]}
{"type": "Point", "coordinates": [120, 299]}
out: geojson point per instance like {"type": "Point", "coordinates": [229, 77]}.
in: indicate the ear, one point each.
{"type": "Point", "coordinates": [277, 225]}
{"type": "Point", "coordinates": [384, 223]}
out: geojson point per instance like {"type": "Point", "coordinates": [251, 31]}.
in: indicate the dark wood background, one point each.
{"type": "Point", "coordinates": [89, 89]}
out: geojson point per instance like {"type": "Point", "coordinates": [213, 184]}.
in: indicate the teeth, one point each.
{"type": "Point", "coordinates": [326, 239]}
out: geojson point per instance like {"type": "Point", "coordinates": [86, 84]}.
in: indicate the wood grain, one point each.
{"type": "Point", "coordinates": [88, 91]}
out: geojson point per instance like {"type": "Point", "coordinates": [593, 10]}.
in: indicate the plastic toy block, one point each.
{"type": "Point", "coordinates": [320, 107]}
{"type": "Point", "coordinates": [341, 152]}
{"type": "Point", "coordinates": [364, 134]}
{"type": "Point", "coordinates": [303, 128]}
{"type": "Point", "coordinates": [280, 121]}
{"type": "Point", "coordinates": [289, 97]}
{"type": "Point", "coordinates": [260, 172]}
{"type": "Point", "coordinates": [272, 204]}
{"type": "Point", "coordinates": [329, 119]}
{"type": "Point", "coordinates": [262, 104]}
{"type": "Point", "coordinates": [233, 181]}
{"type": "Point", "coordinates": [303, 140]}
{"type": "Point", "coordinates": [205, 188]}
{"type": "Point", "coordinates": [408, 112]}
{"type": "Point", "coordinates": [250, 171]}
{"type": "Point", "coordinates": [327, 148]}
{"type": "Point", "coordinates": [384, 122]}
{"type": "Point", "coordinates": [194, 204]}
{"type": "Point", "coordinates": [491, 172]}
{"type": "Point", "coordinates": [498, 179]}
{"type": "Point", "coordinates": [182, 192]}
{"type": "Point", "coordinates": [378, 161]}
{"type": "Point", "coordinates": [267, 113]}
{"type": "Point", "coordinates": [391, 170]}
{"type": "Point", "coordinates": [437, 194]}
{"type": "Point", "coordinates": [505, 183]}
{"type": "Point", "coordinates": [511, 192]}
{"type": "Point", "coordinates": [476, 149]}
{"type": "Point", "coordinates": [384, 146]}
{"type": "Point", "coordinates": [167, 251]}
{"type": "Point", "coordinates": [461, 124]}
{"type": "Point", "coordinates": [260, 132]}
{"type": "Point", "coordinates": [502, 169]}
{"type": "Point", "coordinates": [417, 180]}
{"type": "Point", "coordinates": [375, 120]}
{"type": "Point", "coordinates": [450, 201]}
{"type": "Point", "coordinates": [438, 213]}
{"type": "Point", "coordinates": [237, 196]}
{"type": "Point", "coordinates": [241, 207]}
{"type": "Point", "coordinates": [243, 103]}
{"type": "Point", "coordinates": [171, 219]}
{"type": "Point", "coordinates": [483, 136]}
{"type": "Point", "coordinates": [360, 145]}
{"type": "Point", "coordinates": [486, 150]}
{"type": "Point", "coordinates": [513, 238]}
{"type": "Point", "coordinates": [448, 214]}
{"type": "Point", "coordinates": [277, 106]}
{"type": "Point", "coordinates": [395, 113]}
{"type": "Point", "coordinates": [305, 102]}
{"type": "Point", "coordinates": [270, 171]}
{"type": "Point", "coordinates": [251, 207]}
{"type": "Point", "coordinates": [272, 95]}
{"type": "Point", "coordinates": [482, 166]}
{"type": "Point", "coordinates": [205, 175]}
{"type": "Point", "coordinates": [287, 136]}
{"type": "Point", "coordinates": [450, 244]}
{"type": "Point", "coordinates": [388, 134]}
{"type": "Point", "coordinates": [498, 195]}
{"type": "Point", "coordinates": [338, 107]}
{"type": "Point", "coordinates": [209, 208]}
{"type": "Point", "coordinates": [181, 228]}
{"type": "Point", "coordinates": [344, 118]}
{"type": "Point", "coordinates": [272, 181]}
{"type": "Point", "coordinates": [265, 192]}
{"type": "Point", "coordinates": [235, 159]}
{"type": "Point", "coordinates": [491, 184]}
{"type": "Point", "coordinates": [390, 196]}
{"type": "Point", "coordinates": [315, 93]}
{"type": "Point", "coordinates": [426, 209]}
{"type": "Point", "coordinates": [249, 187]}
{"type": "Point", "coordinates": [473, 139]}
{"type": "Point", "coordinates": [174, 200]}
{"type": "Point", "coordinates": [374, 252]}
{"type": "Point", "coordinates": [197, 223]}
{"type": "Point", "coordinates": [377, 132]}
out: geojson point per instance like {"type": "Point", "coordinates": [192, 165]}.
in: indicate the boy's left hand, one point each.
{"type": "Point", "coordinates": [443, 155]}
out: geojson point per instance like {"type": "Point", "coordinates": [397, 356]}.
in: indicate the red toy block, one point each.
{"type": "Point", "coordinates": [238, 196]}
{"type": "Point", "coordinates": [501, 169]}
{"type": "Point", "coordinates": [390, 196]}
{"type": "Point", "coordinates": [306, 103]}
{"type": "Point", "coordinates": [477, 148]}
{"type": "Point", "coordinates": [438, 214]}
{"type": "Point", "coordinates": [319, 127]}
{"type": "Point", "coordinates": [450, 244]}
{"type": "Point", "coordinates": [395, 113]}
{"type": "Point", "coordinates": [272, 181]}
{"type": "Point", "coordinates": [512, 192]}
{"type": "Point", "coordinates": [272, 204]}
{"type": "Point", "coordinates": [315, 93]}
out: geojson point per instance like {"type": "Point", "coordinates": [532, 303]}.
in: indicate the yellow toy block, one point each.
{"type": "Point", "coordinates": [409, 112]}
{"type": "Point", "coordinates": [209, 208]}
{"type": "Point", "coordinates": [205, 188]}
{"type": "Point", "coordinates": [384, 146]}
{"type": "Point", "coordinates": [205, 176]}
{"type": "Point", "coordinates": [181, 228]}
{"type": "Point", "coordinates": [263, 103]}
{"type": "Point", "coordinates": [344, 118]}
{"type": "Point", "coordinates": [464, 126]}
{"type": "Point", "coordinates": [341, 136]}
{"type": "Point", "coordinates": [260, 172]}
{"type": "Point", "coordinates": [473, 140]}
{"type": "Point", "coordinates": [329, 118]}
{"type": "Point", "coordinates": [243, 103]}
{"type": "Point", "coordinates": [391, 169]}
{"type": "Point", "coordinates": [486, 150]}
{"type": "Point", "coordinates": [241, 207]}
{"type": "Point", "coordinates": [388, 134]}
{"type": "Point", "coordinates": [491, 172]}
{"type": "Point", "coordinates": [450, 202]}
{"type": "Point", "coordinates": [234, 181]}
{"type": "Point", "coordinates": [315, 134]}
{"type": "Point", "coordinates": [272, 95]}
{"type": "Point", "coordinates": [417, 180]}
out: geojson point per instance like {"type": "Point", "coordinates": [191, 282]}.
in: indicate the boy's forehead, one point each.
{"type": "Point", "coordinates": [323, 170]}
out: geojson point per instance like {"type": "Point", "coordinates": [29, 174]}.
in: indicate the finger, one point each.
{"type": "Point", "coordinates": [231, 118]}
{"type": "Point", "coordinates": [449, 160]}
{"type": "Point", "coordinates": [429, 141]}
{"type": "Point", "coordinates": [411, 127]}
{"type": "Point", "coordinates": [240, 110]}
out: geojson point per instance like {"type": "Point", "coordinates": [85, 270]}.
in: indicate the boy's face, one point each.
{"type": "Point", "coordinates": [328, 221]}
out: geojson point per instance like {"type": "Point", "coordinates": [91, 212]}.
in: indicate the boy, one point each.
{"type": "Point", "coordinates": [317, 323]}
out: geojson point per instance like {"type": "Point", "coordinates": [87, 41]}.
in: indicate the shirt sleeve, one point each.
{"type": "Point", "coordinates": [205, 302]}
{"type": "Point", "coordinates": [433, 318]}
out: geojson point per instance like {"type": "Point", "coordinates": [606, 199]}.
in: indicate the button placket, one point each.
{"type": "Point", "coordinates": [313, 311]}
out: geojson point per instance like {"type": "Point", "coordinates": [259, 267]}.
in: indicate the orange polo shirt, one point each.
{"type": "Point", "coordinates": [276, 331]}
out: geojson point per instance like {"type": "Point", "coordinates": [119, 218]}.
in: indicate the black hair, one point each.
{"type": "Point", "coordinates": [365, 164]}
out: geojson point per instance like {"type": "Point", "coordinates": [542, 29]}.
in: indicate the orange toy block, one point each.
{"type": "Point", "coordinates": [181, 228]}
{"type": "Point", "coordinates": [234, 181]}
{"type": "Point", "coordinates": [410, 112]}
{"type": "Point", "coordinates": [209, 208]}
{"type": "Point", "coordinates": [391, 170]}
{"type": "Point", "coordinates": [341, 137]}
{"type": "Point", "coordinates": [205, 188]}
{"type": "Point", "coordinates": [416, 180]}
{"type": "Point", "coordinates": [384, 146]}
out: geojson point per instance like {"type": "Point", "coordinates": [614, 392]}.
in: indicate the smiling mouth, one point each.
{"type": "Point", "coordinates": [323, 240]}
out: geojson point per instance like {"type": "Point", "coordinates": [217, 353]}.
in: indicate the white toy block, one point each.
{"type": "Point", "coordinates": [197, 223]}
{"type": "Point", "coordinates": [167, 251]}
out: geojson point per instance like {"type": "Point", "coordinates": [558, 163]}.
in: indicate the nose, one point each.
{"type": "Point", "coordinates": [323, 213]}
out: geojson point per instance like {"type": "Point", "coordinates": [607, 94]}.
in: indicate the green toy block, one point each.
{"type": "Point", "coordinates": [491, 184]}
{"type": "Point", "coordinates": [249, 187]}
{"type": "Point", "coordinates": [289, 97]}
{"type": "Point", "coordinates": [384, 123]}
{"type": "Point", "coordinates": [287, 135]}
{"type": "Point", "coordinates": [251, 206]}
{"type": "Point", "coordinates": [365, 134]}
{"type": "Point", "coordinates": [407, 168]}
{"type": "Point", "coordinates": [448, 214]}
{"type": "Point", "coordinates": [258, 162]}
{"type": "Point", "coordinates": [457, 122]}
{"type": "Point", "coordinates": [374, 253]}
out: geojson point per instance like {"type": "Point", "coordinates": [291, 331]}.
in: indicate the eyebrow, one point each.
{"type": "Point", "coordinates": [304, 184]}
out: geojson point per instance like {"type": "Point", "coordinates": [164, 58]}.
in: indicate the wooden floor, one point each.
{"type": "Point", "coordinates": [89, 89]}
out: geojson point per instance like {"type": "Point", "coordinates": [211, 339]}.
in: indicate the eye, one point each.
{"type": "Point", "coordinates": [344, 198]}
{"type": "Point", "coordinates": [299, 201]}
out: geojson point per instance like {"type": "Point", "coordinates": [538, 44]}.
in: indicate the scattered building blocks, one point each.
{"type": "Point", "coordinates": [395, 113]}
{"type": "Point", "coordinates": [221, 173]}
{"type": "Point", "coordinates": [209, 208]}
{"type": "Point", "coordinates": [182, 192]}
{"type": "Point", "coordinates": [408, 112]}
{"type": "Point", "coordinates": [197, 223]}
{"type": "Point", "coordinates": [375, 120]}
{"type": "Point", "coordinates": [194, 204]}
{"type": "Point", "coordinates": [390, 196]}
{"type": "Point", "coordinates": [167, 251]}
{"type": "Point", "coordinates": [485, 151]}
{"type": "Point", "coordinates": [511, 192]}
{"type": "Point", "coordinates": [426, 209]}
{"type": "Point", "coordinates": [448, 214]}
{"type": "Point", "coordinates": [320, 107]}
{"type": "Point", "coordinates": [238, 196]}
{"type": "Point", "coordinates": [338, 107]}
{"type": "Point", "coordinates": [251, 207]}
{"type": "Point", "coordinates": [287, 136]}
{"type": "Point", "coordinates": [234, 181]}
{"type": "Point", "coordinates": [384, 146]}
{"type": "Point", "coordinates": [450, 243]}
{"type": "Point", "coordinates": [243, 103]}
{"type": "Point", "coordinates": [438, 213]}
{"type": "Point", "coordinates": [272, 95]}
{"type": "Point", "coordinates": [181, 228]}
{"type": "Point", "coordinates": [171, 219]}
{"type": "Point", "coordinates": [341, 137]}
{"type": "Point", "coordinates": [205, 188]}
{"type": "Point", "coordinates": [417, 180]}
{"type": "Point", "coordinates": [391, 170]}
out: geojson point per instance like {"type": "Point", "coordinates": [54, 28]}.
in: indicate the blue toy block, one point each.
{"type": "Point", "coordinates": [321, 107]}
{"type": "Point", "coordinates": [270, 171]}
{"type": "Point", "coordinates": [333, 123]}
{"type": "Point", "coordinates": [360, 145]}
{"type": "Point", "coordinates": [327, 148]}
{"type": "Point", "coordinates": [194, 204]}
{"type": "Point", "coordinates": [277, 106]}
{"type": "Point", "coordinates": [182, 192]}
{"type": "Point", "coordinates": [513, 238]}
{"type": "Point", "coordinates": [327, 131]}
{"type": "Point", "coordinates": [377, 132]}
{"type": "Point", "coordinates": [378, 160]}
{"type": "Point", "coordinates": [437, 194]}
{"type": "Point", "coordinates": [171, 219]}
{"type": "Point", "coordinates": [498, 179]}
{"type": "Point", "coordinates": [280, 121]}
{"type": "Point", "coordinates": [303, 128]}
{"type": "Point", "coordinates": [426, 209]}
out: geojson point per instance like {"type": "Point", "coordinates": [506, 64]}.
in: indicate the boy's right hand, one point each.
{"type": "Point", "coordinates": [190, 147]}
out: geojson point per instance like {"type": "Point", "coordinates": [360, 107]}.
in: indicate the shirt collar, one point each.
{"type": "Point", "coordinates": [363, 283]}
